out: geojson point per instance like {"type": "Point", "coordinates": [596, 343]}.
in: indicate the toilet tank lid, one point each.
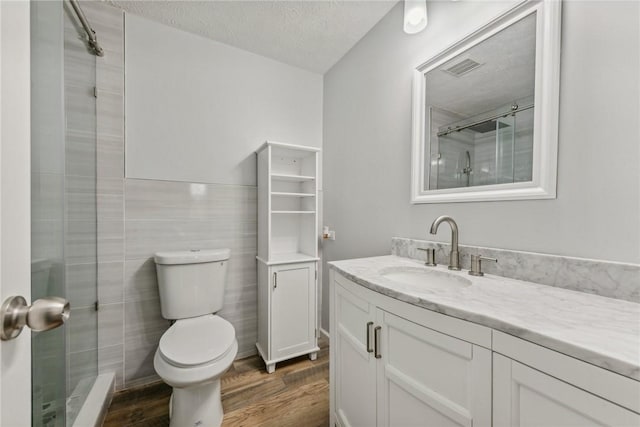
{"type": "Point", "coordinates": [194, 256]}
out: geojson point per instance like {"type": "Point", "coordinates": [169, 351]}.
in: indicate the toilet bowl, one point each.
{"type": "Point", "coordinates": [192, 356]}
{"type": "Point", "coordinates": [199, 346]}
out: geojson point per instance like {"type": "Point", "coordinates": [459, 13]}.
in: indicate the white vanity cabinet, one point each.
{"type": "Point", "coordinates": [429, 378]}
{"type": "Point", "coordinates": [287, 251]}
{"type": "Point", "coordinates": [394, 364]}
{"type": "Point", "coordinates": [389, 370]}
{"type": "Point", "coordinates": [353, 364]}
{"type": "Point", "coordinates": [553, 389]}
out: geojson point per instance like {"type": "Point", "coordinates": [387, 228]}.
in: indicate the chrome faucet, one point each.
{"type": "Point", "coordinates": [454, 255]}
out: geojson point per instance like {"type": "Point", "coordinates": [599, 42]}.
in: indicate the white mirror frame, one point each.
{"type": "Point", "coordinates": [545, 134]}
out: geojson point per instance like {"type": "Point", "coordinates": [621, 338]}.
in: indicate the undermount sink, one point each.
{"type": "Point", "coordinates": [421, 279]}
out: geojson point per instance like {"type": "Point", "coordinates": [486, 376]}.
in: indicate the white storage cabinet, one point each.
{"type": "Point", "coordinates": [287, 252]}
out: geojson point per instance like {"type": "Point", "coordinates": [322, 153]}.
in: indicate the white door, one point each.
{"type": "Point", "coordinates": [355, 363]}
{"type": "Point", "coordinates": [523, 396]}
{"type": "Point", "coordinates": [293, 301]}
{"type": "Point", "coordinates": [15, 270]}
{"type": "Point", "coordinates": [426, 378]}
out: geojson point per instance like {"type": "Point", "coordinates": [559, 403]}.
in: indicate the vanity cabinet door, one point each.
{"type": "Point", "coordinates": [426, 378]}
{"type": "Point", "coordinates": [293, 301]}
{"type": "Point", "coordinates": [354, 364]}
{"type": "Point", "coordinates": [524, 396]}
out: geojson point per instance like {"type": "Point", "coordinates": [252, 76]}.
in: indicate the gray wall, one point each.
{"type": "Point", "coordinates": [80, 224]}
{"type": "Point", "coordinates": [48, 208]}
{"type": "Point", "coordinates": [367, 125]}
{"type": "Point", "coordinates": [137, 217]}
{"type": "Point", "coordinates": [198, 109]}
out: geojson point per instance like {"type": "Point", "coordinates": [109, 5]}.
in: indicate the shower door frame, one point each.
{"type": "Point", "coordinates": [15, 203]}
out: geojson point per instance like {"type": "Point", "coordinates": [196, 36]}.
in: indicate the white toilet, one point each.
{"type": "Point", "coordinates": [200, 346]}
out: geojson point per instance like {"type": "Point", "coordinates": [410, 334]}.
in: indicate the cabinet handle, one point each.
{"type": "Point", "coordinates": [275, 280]}
{"type": "Point", "coordinates": [376, 337]}
{"type": "Point", "coordinates": [369, 348]}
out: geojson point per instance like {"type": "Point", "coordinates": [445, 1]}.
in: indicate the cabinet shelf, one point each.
{"type": "Point", "coordinates": [288, 258]}
{"type": "Point", "coordinates": [293, 178]}
{"type": "Point", "coordinates": [283, 194]}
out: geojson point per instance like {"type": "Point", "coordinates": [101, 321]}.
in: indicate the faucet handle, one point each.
{"type": "Point", "coordinates": [431, 256]}
{"type": "Point", "coordinates": [476, 264]}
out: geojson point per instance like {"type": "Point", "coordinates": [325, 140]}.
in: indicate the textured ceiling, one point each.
{"type": "Point", "coordinates": [507, 73]}
{"type": "Point", "coordinates": [312, 35]}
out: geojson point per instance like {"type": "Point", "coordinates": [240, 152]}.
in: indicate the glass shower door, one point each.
{"type": "Point", "coordinates": [505, 149]}
{"type": "Point", "coordinates": [63, 210]}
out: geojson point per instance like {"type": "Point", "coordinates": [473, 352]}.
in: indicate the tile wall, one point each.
{"type": "Point", "coordinates": [49, 367]}
{"type": "Point", "coordinates": [108, 24]}
{"type": "Point", "coordinates": [169, 216]}
{"type": "Point", "coordinates": [139, 217]}
{"type": "Point", "coordinates": [80, 216]}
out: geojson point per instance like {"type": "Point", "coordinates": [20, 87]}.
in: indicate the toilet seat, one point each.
{"type": "Point", "coordinates": [197, 341]}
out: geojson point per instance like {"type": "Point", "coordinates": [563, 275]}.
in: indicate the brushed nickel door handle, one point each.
{"type": "Point", "coordinates": [44, 314]}
{"type": "Point", "coordinates": [377, 340]}
{"type": "Point", "coordinates": [369, 348]}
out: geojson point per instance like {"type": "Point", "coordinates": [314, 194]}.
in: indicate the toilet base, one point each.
{"type": "Point", "coordinates": [197, 406]}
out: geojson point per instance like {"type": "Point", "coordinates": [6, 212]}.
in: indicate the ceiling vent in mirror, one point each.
{"type": "Point", "coordinates": [463, 67]}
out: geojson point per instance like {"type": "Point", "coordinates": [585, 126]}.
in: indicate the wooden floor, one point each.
{"type": "Point", "coordinates": [295, 395]}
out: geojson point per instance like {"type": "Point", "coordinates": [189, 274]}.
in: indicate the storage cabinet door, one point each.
{"type": "Point", "coordinates": [426, 378]}
{"type": "Point", "coordinates": [354, 365]}
{"type": "Point", "coordinates": [526, 397]}
{"type": "Point", "coordinates": [293, 300]}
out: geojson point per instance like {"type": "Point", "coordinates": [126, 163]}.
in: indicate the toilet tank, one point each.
{"type": "Point", "coordinates": [191, 283]}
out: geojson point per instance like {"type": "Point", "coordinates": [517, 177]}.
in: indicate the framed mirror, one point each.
{"type": "Point", "coordinates": [485, 112]}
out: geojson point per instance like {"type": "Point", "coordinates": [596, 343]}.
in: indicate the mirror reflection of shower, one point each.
{"type": "Point", "coordinates": [467, 169]}
{"type": "Point", "coordinates": [494, 147]}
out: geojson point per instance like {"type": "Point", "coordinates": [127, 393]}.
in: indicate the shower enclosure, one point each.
{"type": "Point", "coordinates": [63, 209]}
{"type": "Point", "coordinates": [495, 147]}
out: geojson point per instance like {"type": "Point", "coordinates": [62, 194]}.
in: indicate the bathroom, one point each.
{"type": "Point", "coordinates": [155, 145]}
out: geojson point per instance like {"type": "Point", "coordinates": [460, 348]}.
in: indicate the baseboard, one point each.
{"type": "Point", "coordinates": [247, 353]}
{"type": "Point", "coordinates": [140, 382]}
{"type": "Point", "coordinates": [325, 333]}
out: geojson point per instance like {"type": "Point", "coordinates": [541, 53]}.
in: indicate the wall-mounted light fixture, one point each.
{"type": "Point", "coordinates": [415, 16]}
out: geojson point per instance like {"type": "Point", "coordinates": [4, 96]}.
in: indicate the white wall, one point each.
{"type": "Point", "coordinates": [196, 110]}
{"type": "Point", "coordinates": [15, 271]}
{"type": "Point", "coordinates": [367, 125]}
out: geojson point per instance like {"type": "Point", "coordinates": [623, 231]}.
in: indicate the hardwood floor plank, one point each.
{"type": "Point", "coordinates": [306, 376]}
{"type": "Point", "coordinates": [161, 421]}
{"type": "Point", "coordinates": [248, 395]}
{"type": "Point", "coordinates": [295, 395]}
{"type": "Point", "coordinates": [303, 406]}
{"type": "Point", "coordinates": [133, 406]}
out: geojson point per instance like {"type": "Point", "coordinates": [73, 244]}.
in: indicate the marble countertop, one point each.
{"type": "Point", "coordinates": [602, 331]}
